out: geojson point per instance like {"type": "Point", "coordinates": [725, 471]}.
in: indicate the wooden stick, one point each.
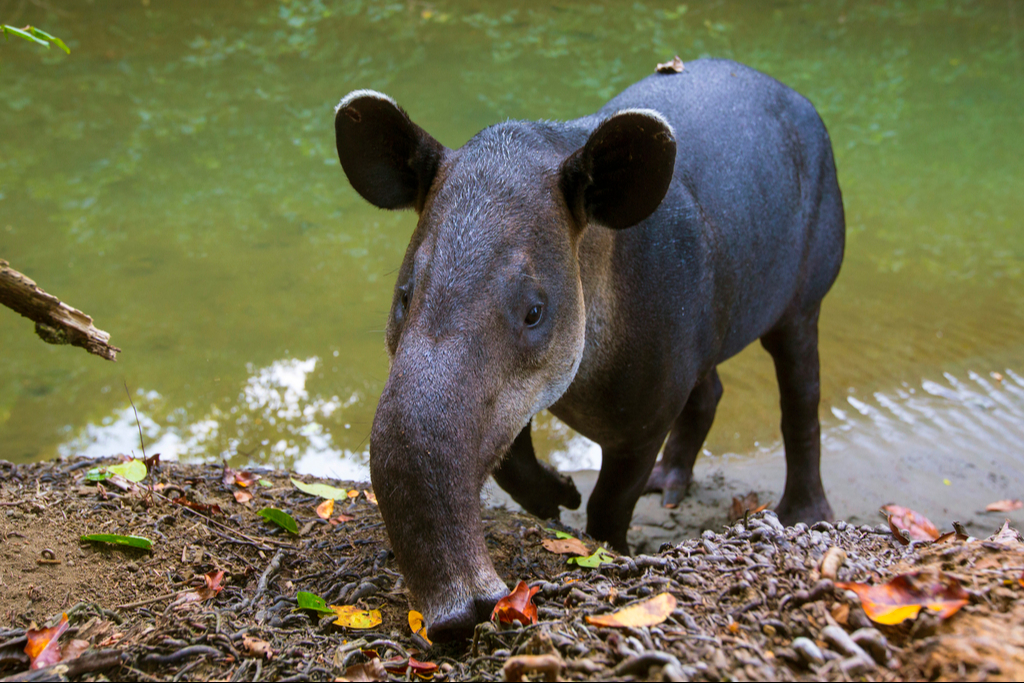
{"type": "Point", "coordinates": [56, 322]}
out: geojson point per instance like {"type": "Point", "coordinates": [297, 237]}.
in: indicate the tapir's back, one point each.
{"type": "Point", "coordinates": [753, 221]}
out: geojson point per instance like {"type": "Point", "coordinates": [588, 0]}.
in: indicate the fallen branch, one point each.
{"type": "Point", "coordinates": [56, 322]}
{"type": "Point", "coordinates": [97, 660]}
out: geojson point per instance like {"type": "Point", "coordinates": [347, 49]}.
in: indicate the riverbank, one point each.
{"type": "Point", "coordinates": [751, 598]}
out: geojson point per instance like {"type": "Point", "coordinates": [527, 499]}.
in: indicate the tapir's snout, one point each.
{"type": "Point", "coordinates": [427, 473]}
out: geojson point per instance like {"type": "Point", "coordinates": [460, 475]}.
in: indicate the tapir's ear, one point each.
{"type": "Point", "coordinates": [621, 175]}
{"type": "Point", "coordinates": [388, 159]}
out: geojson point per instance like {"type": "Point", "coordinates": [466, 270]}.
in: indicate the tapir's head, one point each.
{"type": "Point", "coordinates": [488, 319]}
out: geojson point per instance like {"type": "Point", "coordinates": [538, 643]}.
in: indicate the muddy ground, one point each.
{"type": "Point", "coordinates": [752, 603]}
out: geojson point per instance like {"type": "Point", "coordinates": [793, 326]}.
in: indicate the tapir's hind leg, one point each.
{"type": "Point", "coordinates": [673, 473]}
{"type": "Point", "coordinates": [793, 345]}
{"type": "Point", "coordinates": [537, 486]}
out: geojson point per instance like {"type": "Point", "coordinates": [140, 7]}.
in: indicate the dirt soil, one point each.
{"type": "Point", "coordinates": [752, 602]}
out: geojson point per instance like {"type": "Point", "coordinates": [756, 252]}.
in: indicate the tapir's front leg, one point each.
{"type": "Point", "coordinates": [624, 472]}
{"type": "Point", "coordinates": [537, 486]}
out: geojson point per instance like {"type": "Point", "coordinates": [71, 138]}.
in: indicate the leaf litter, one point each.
{"type": "Point", "coordinates": [753, 600]}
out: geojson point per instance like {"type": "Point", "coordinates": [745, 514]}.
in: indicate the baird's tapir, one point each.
{"type": "Point", "coordinates": [600, 268]}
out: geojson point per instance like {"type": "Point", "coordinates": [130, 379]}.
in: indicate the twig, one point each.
{"type": "Point", "coordinates": [90, 661]}
{"type": "Point", "coordinates": [56, 322]}
{"type": "Point", "coordinates": [138, 424]}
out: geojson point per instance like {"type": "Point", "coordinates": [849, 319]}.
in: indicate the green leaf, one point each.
{"type": "Point", "coordinates": [312, 601]}
{"type": "Point", "coordinates": [26, 35]}
{"type": "Point", "coordinates": [98, 474]}
{"type": "Point", "coordinates": [265, 482]}
{"type": "Point", "coordinates": [53, 39]}
{"type": "Point", "coordinates": [322, 490]}
{"type": "Point", "coordinates": [559, 534]}
{"type": "Point", "coordinates": [133, 470]}
{"type": "Point", "coordinates": [134, 541]}
{"type": "Point", "coordinates": [592, 561]}
{"type": "Point", "coordinates": [280, 518]}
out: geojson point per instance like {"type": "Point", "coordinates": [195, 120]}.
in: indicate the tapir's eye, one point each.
{"type": "Point", "coordinates": [534, 316]}
{"type": "Point", "coordinates": [405, 299]}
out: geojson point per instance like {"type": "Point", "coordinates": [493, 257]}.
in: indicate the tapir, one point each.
{"type": "Point", "coordinates": [600, 268]}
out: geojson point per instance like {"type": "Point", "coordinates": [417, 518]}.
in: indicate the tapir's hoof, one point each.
{"type": "Point", "coordinates": [672, 483]}
{"type": "Point", "coordinates": [792, 512]}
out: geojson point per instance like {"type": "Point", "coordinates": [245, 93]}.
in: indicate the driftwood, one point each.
{"type": "Point", "coordinates": [56, 322]}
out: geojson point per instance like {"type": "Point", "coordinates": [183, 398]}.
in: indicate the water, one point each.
{"type": "Point", "coordinates": [175, 177]}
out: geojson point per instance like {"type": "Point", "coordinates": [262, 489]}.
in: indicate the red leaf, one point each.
{"type": "Point", "coordinates": [246, 479]}
{"type": "Point", "coordinates": [398, 665]}
{"type": "Point", "coordinates": [42, 645]}
{"type": "Point", "coordinates": [919, 526]}
{"type": "Point", "coordinates": [198, 507]}
{"type": "Point", "coordinates": [517, 606]}
{"type": "Point", "coordinates": [905, 596]}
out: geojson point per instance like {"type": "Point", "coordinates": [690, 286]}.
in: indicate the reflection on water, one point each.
{"type": "Point", "coordinates": [175, 177]}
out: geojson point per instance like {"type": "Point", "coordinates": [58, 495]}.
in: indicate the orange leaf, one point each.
{"type": "Point", "coordinates": [1004, 506]}
{"type": "Point", "coordinates": [647, 613]}
{"type": "Point", "coordinates": [418, 626]}
{"type": "Point", "coordinates": [325, 509]}
{"type": "Point", "coordinates": [899, 534]}
{"type": "Point", "coordinates": [517, 606]}
{"type": "Point", "coordinates": [565, 546]}
{"type": "Point", "coordinates": [919, 526]}
{"type": "Point", "coordinates": [42, 645]}
{"type": "Point", "coordinates": [904, 596]}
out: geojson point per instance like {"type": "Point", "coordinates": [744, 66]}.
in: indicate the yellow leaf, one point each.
{"type": "Point", "coordinates": [648, 613]}
{"type": "Point", "coordinates": [418, 626]}
{"type": "Point", "coordinates": [351, 616]}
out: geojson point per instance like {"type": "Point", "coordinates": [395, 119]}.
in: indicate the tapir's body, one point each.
{"type": "Point", "coordinates": [601, 268]}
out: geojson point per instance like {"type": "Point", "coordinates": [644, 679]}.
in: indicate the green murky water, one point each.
{"type": "Point", "coordinates": [175, 177]}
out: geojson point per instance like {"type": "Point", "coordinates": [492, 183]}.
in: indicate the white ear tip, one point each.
{"type": "Point", "coordinates": [359, 94]}
{"type": "Point", "coordinates": [650, 113]}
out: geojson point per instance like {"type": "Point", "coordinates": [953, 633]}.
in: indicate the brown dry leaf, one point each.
{"type": "Point", "coordinates": [399, 665]}
{"type": "Point", "coordinates": [565, 546]}
{"type": "Point", "coordinates": [74, 649]}
{"type": "Point", "coordinates": [41, 645]}
{"type": "Point", "coordinates": [257, 647]}
{"type": "Point", "coordinates": [211, 589]}
{"type": "Point", "coordinates": [246, 479]}
{"type": "Point", "coordinates": [673, 67]}
{"type": "Point", "coordinates": [341, 519]}
{"type": "Point", "coordinates": [919, 526]}
{"type": "Point", "coordinates": [647, 613]}
{"type": "Point", "coordinates": [517, 606]}
{"type": "Point", "coordinates": [904, 596]}
{"type": "Point", "coordinates": [901, 535]}
{"type": "Point", "coordinates": [741, 505]}
{"type": "Point", "coordinates": [1006, 535]}
{"type": "Point", "coordinates": [325, 509]}
{"type": "Point", "coordinates": [1004, 506]}
{"type": "Point", "coordinates": [371, 496]}
{"type": "Point", "coordinates": [228, 478]}
{"type": "Point", "coordinates": [841, 613]}
{"type": "Point", "coordinates": [243, 497]}
{"type": "Point", "coordinates": [372, 670]}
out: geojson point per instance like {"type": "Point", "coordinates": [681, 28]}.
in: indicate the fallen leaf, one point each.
{"type": "Point", "coordinates": [565, 546]}
{"type": "Point", "coordinates": [74, 649]}
{"type": "Point", "coordinates": [198, 507]}
{"type": "Point", "coordinates": [559, 534]}
{"type": "Point", "coordinates": [311, 601]}
{"type": "Point", "coordinates": [399, 665]}
{"type": "Point", "coordinates": [919, 526]}
{"type": "Point", "coordinates": [41, 645]}
{"type": "Point", "coordinates": [371, 496]}
{"type": "Point", "coordinates": [647, 613]}
{"type": "Point", "coordinates": [245, 479]}
{"type": "Point", "coordinates": [341, 519]}
{"type": "Point", "coordinates": [133, 541]}
{"type": "Point", "coordinates": [1004, 506]}
{"type": "Point", "coordinates": [322, 490]}
{"type": "Point", "coordinates": [325, 509]}
{"type": "Point", "coordinates": [243, 496]}
{"type": "Point", "coordinates": [901, 535]}
{"type": "Point", "coordinates": [594, 560]}
{"type": "Point", "coordinates": [133, 470]}
{"type": "Point", "coordinates": [370, 671]}
{"type": "Point", "coordinates": [210, 590]}
{"type": "Point", "coordinates": [905, 596]}
{"type": "Point", "coordinates": [151, 462]}
{"type": "Point", "coordinates": [418, 625]}
{"type": "Point", "coordinates": [951, 535]}
{"type": "Point", "coordinates": [228, 477]}
{"type": "Point", "coordinates": [673, 67]}
{"type": "Point", "coordinates": [746, 504]}
{"type": "Point", "coordinates": [257, 647]}
{"type": "Point", "coordinates": [280, 518]}
{"type": "Point", "coordinates": [351, 616]}
{"type": "Point", "coordinates": [517, 606]}
{"type": "Point", "coordinates": [1006, 535]}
